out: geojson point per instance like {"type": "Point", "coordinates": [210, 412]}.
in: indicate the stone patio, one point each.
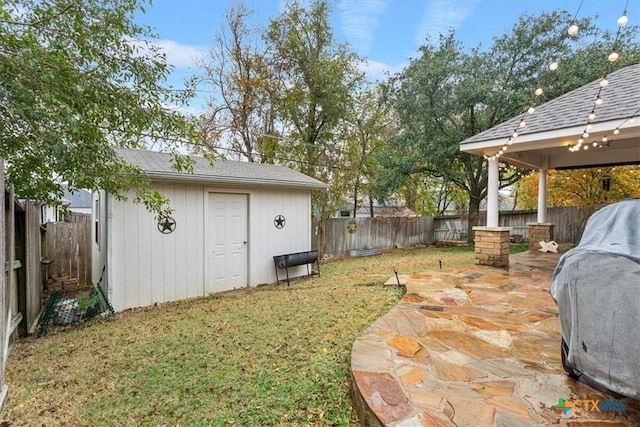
{"type": "Point", "coordinates": [478, 346]}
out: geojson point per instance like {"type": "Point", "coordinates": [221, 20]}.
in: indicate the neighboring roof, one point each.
{"type": "Point", "coordinates": [560, 122]}
{"type": "Point", "coordinates": [157, 166]}
{"type": "Point", "coordinates": [79, 199]}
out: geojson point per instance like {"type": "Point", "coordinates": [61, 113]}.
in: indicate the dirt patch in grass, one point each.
{"type": "Point", "coordinates": [272, 355]}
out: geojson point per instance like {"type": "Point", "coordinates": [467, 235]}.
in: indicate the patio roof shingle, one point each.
{"type": "Point", "coordinates": [621, 101]}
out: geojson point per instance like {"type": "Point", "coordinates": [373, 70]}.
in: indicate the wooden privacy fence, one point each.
{"type": "Point", "coordinates": [343, 234]}
{"type": "Point", "coordinates": [392, 232]}
{"type": "Point", "coordinates": [68, 249]}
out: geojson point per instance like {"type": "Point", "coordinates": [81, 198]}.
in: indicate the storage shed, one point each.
{"type": "Point", "coordinates": [228, 222]}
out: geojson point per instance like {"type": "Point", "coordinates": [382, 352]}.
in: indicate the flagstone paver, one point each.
{"type": "Point", "coordinates": [477, 346]}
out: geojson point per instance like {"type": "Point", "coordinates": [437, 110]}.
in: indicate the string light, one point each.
{"type": "Point", "coordinates": [622, 21]}
{"type": "Point", "coordinates": [604, 83]}
{"type": "Point", "coordinates": [612, 57]}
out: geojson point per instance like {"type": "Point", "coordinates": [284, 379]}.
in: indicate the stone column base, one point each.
{"type": "Point", "coordinates": [539, 232]}
{"type": "Point", "coordinates": [492, 246]}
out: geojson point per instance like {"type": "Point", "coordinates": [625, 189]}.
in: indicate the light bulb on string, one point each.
{"type": "Point", "coordinates": [580, 141]}
{"type": "Point", "coordinates": [595, 144]}
{"type": "Point", "coordinates": [531, 110]}
{"type": "Point", "coordinates": [553, 66]}
{"type": "Point", "coordinates": [613, 57]}
{"type": "Point", "coordinates": [539, 91]}
{"type": "Point", "coordinates": [616, 131]}
{"type": "Point", "coordinates": [515, 134]}
{"type": "Point", "coordinates": [592, 117]}
{"type": "Point", "coordinates": [586, 147]}
{"type": "Point", "coordinates": [573, 29]}
{"type": "Point", "coordinates": [589, 127]}
{"type": "Point", "coordinates": [599, 101]}
{"type": "Point", "coordinates": [604, 138]}
{"type": "Point", "coordinates": [622, 21]}
{"type": "Point", "coordinates": [604, 82]}
{"type": "Point", "coordinates": [522, 123]}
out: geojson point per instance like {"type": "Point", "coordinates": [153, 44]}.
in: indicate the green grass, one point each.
{"type": "Point", "coordinates": [516, 248]}
{"type": "Point", "coordinates": [272, 355]}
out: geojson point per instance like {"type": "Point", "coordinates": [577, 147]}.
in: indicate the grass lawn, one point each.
{"type": "Point", "coordinates": [272, 355]}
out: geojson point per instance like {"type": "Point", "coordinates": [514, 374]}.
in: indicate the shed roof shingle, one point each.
{"type": "Point", "coordinates": [158, 166]}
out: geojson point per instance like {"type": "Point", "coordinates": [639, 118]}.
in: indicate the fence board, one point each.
{"type": "Point", "coordinates": [379, 232]}
{"type": "Point", "coordinates": [4, 306]}
{"type": "Point", "coordinates": [32, 262]}
{"type": "Point", "coordinates": [68, 245]}
{"type": "Point", "coordinates": [391, 232]}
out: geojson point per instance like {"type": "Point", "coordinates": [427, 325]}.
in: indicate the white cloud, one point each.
{"type": "Point", "coordinates": [179, 55]}
{"type": "Point", "coordinates": [442, 16]}
{"type": "Point", "coordinates": [359, 19]}
{"type": "Point", "coordinates": [377, 71]}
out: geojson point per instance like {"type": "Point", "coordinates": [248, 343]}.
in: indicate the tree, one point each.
{"type": "Point", "coordinates": [449, 93]}
{"type": "Point", "coordinates": [365, 129]}
{"type": "Point", "coordinates": [318, 77]}
{"type": "Point", "coordinates": [77, 80]}
{"type": "Point", "coordinates": [242, 111]}
{"type": "Point", "coordinates": [440, 100]}
{"type": "Point", "coordinates": [582, 187]}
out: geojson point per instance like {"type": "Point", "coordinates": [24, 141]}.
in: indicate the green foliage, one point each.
{"type": "Point", "coordinates": [318, 77]}
{"type": "Point", "coordinates": [582, 187]}
{"type": "Point", "coordinates": [76, 80]}
{"type": "Point", "coordinates": [450, 93]}
{"type": "Point", "coordinates": [364, 130]}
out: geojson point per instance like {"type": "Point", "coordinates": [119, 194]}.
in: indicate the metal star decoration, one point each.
{"type": "Point", "coordinates": [167, 225]}
{"type": "Point", "coordinates": [279, 221]}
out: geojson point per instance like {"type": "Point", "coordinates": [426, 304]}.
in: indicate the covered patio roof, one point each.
{"type": "Point", "coordinates": [558, 124]}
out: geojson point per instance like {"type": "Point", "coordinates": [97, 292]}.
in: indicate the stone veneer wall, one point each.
{"type": "Point", "coordinates": [539, 232]}
{"type": "Point", "coordinates": [492, 246]}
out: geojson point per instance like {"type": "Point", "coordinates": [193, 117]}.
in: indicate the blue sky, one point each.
{"type": "Point", "coordinates": [385, 32]}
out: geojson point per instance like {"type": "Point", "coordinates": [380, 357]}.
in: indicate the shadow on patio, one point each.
{"type": "Point", "coordinates": [478, 346]}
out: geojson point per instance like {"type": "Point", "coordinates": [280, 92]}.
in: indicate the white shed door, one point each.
{"type": "Point", "coordinates": [226, 242]}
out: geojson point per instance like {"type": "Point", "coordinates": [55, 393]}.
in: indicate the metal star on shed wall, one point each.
{"type": "Point", "coordinates": [279, 221]}
{"type": "Point", "coordinates": [167, 225]}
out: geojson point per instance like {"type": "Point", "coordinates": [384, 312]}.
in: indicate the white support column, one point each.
{"type": "Point", "coordinates": [492, 193]}
{"type": "Point", "coordinates": [542, 196]}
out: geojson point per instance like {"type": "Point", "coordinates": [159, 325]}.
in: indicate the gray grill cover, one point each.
{"type": "Point", "coordinates": [597, 288]}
